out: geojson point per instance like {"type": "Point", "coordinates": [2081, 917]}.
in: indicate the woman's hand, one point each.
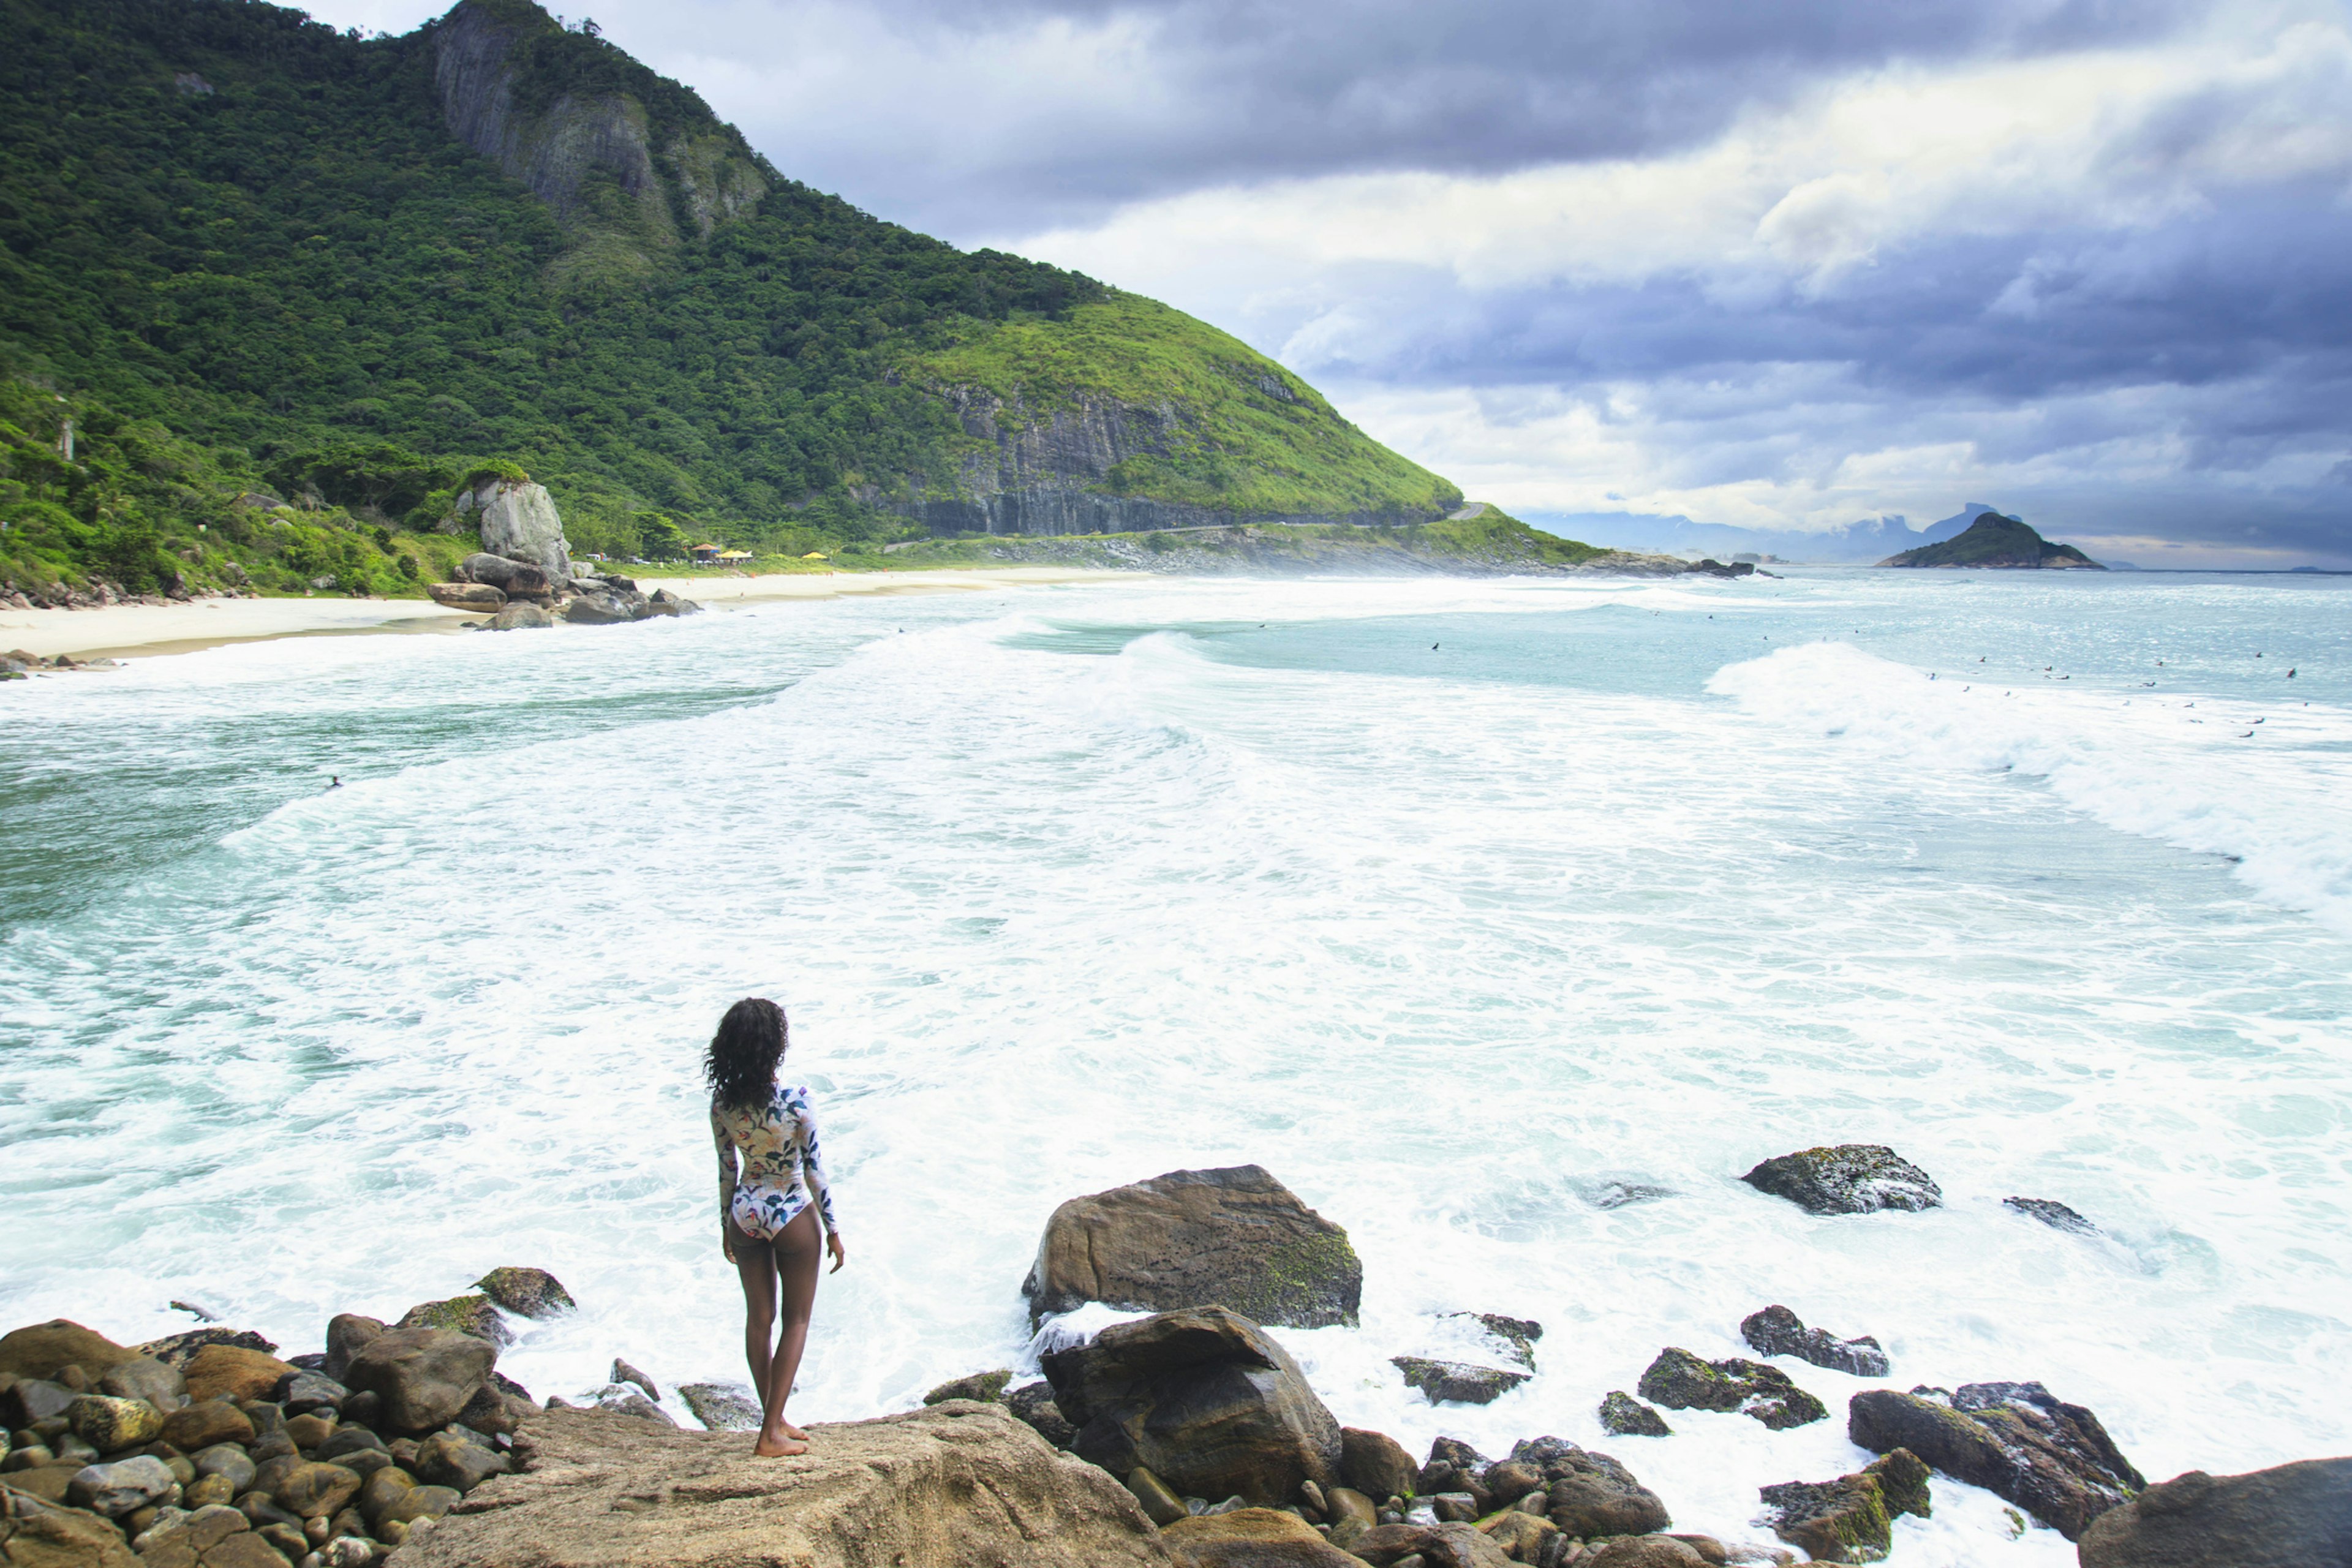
{"type": "Point", "coordinates": [727, 1240]}
{"type": "Point", "coordinates": [833, 1244]}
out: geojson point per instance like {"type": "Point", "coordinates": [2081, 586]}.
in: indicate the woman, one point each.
{"type": "Point", "coordinates": [767, 1222]}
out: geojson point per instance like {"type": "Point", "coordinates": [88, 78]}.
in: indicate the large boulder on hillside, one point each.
{"type": "Point", "coordinates": [1234, 1237]}
{"type": "Point", "coordinates": [423, 1377]}
{"type": "Point", "coordinates": [2291, 1516]}
{"type": "Point", "coordinates": [945, 1487]}
{"type": "Point", "coordinates": [518, 520]}
{"type": "Point", "coordinates": [1204, 1400]}
{"type": "Point", "coordinates": [1849, 1178]}
{"type": "Point", "coordinates": [2051, 1458]}
{"type": "Point", "coordinates": [44, 1350]}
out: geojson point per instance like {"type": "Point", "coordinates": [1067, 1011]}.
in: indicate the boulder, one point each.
{"type": "Point", "coordinates": [1591, 1494]}
{"type": "Point", "coordinates": [520, 619]}
{"type": "Point", "coordinates": [111, 1425]}
{"type": "Point", "coordinates": [158, 1382]}
{"type": "Point", "coordinates": [2053, 1459]}
{"type": "Point", "coordinates": [599, 610]}
{"type": "Point", "coordinates": [1160, 1505]}
{"type": "Point", "coordinates": [122, 1487]}
{"type": "Point", "coordinates": [955, 1484]}
{"type": "Point", "coordinates": [1375, 1464]}
{"type": "Point", "coordinates": [347, 1334]}
{"type": "Point", "coordinates": [1235, 1237]}
{"type": "Point", "coordinates": [983, 1386]}
{"type": "Point", "coordinates": [472, 1315]}
{"type": "Point", "coordinates": [30, 1399]}
{"type": "Point", "coordinates": [620, 1399]}
{"type": "Point", "coordinates": [479, 598]}
{"type": "Point", "coordinates": [1252, 1538]}
{"type": "Point", "coordinates": [510, 579]}
{"type": "Point", "coordinates": [206, 1423]}
{"type": "Point", "coordinates": [1033, 1403]}
{"type": "Point", "coordinates": [316, 1490]}
{"type": "Point", "coordinates": [231, 1372]}
{"type": "Point", "coordinates": [1644, 1551]}
{"type": "Point", "coordinates": [445, 1459]}
{"type": "Point", "coordinates": [1623, 1415]}
{"type": "Point", "coordinates": [37, 1534]}
{"type": "Point", "coordinates": [1850, 1178]}
{"type": "Point", "coordinates": [519, 521]}
{"type": "Point", "coordinates": [665, 603]}
{"type": "Point", "coordinates": [1850, 1520]}
{"type": "Point", "coordinates": [1457, 1381]}
{"type": "Point", "coordinates": [1776, 1330]}
{"type": "Point", "coordinates": [1514, 1337]}
{"type": "Point", "coordinates": [527, 1292]}
{"type": "Point", "coordinates": [1201, 1397]}
{"type": "Point", "coordinates": [722, 1406]}
{"type": "Point", "coordinates": [424, 1376]}
{"type": "Point", "coordinates": [178, 1350]}
{"type": "Point", "coordinates": [44, 1350]}
{"type": "Point", "coordinates": [2052, 1213]}
{"type": "Point", "coordinates": [1681, 1381]}
{"type": "Point", "coordinates": [623, 1373]}
{"type": "Point", "coordinates": [2290, 1516]}
{"type": "Point", "coordinates": [308, 1391]}
{"type": "Point", "coordinates": [1437, 1546]}
{"type": "Point", "coordinates": [1521, 1537]}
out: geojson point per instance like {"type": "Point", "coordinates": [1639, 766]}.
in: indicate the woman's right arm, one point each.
{"type": "Point", "coordinates": [725, 1143]}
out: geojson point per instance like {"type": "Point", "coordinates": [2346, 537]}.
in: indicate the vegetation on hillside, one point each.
{"type": "Point", "coordinates": [1490, 542]}
{"type": "Point", "coordinates": [236, 235]}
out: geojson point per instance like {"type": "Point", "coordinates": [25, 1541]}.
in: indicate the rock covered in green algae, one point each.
{"type": "Point", "coordinates": [1681, 1381]}
{"type": "Point", "coordinates": [1457, 1381]}
{"type": "Point", "coordinates": [1626, 1416]}
{"type": "Point", "coordinates": [526, 1292]}
{"type": "Point", "coordinates": [1847, 1178]}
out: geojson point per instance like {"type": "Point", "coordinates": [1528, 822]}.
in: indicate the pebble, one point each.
{"type": "Point", "coordinates": [123, 1487]}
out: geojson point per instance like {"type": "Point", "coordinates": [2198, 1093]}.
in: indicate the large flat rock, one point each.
{"type": "Point", "coordinates": [956, 1485]}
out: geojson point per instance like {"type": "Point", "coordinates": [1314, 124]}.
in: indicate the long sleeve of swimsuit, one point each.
{"type": "Point", "coordinates": [725, 1140]}
{"type": "Point", "coordinates": [813, 1160]}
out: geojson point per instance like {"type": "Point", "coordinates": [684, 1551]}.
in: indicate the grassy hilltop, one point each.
{"type": "Point", "coordinates": [247, 256]}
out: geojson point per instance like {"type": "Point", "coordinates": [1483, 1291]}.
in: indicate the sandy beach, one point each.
{"type": "Point", "coordinates": [121, 631]}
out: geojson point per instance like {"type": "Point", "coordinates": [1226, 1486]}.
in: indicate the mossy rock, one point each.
{"type": "Point", "coordinates": [526, 1292]}
{"type": "Point", "coordinates": [1681, 1381]}
{"type": "Point", "coordinates": [1623, 1415]}
{"type": "Point", "coordinates": [474, 1315]}
{"type": "Point", "coordinates": [985, 1386]}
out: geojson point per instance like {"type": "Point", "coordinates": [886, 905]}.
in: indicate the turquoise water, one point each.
{"type": "Point", "coordinates": [1618, 883]}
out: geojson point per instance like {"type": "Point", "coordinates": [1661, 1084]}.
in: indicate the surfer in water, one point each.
{"type": "Point", "coordinates": [772, 1192]}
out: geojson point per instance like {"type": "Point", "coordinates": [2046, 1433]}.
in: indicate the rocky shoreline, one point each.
{"type": "Point", "coordinates": [1187, 1436]}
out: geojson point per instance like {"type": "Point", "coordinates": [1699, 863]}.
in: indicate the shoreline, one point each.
{"type": "Point", "coordinates": [155, 631]}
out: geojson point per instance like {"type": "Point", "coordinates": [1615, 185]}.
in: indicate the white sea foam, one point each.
{"type": "Point", "coordinates": [1067, 889]}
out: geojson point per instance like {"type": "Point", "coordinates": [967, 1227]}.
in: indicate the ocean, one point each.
{"type": "Point", "coordinates": [1471, 910]}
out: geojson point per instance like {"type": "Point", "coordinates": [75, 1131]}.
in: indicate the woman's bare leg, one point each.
{"type": "Point", "coordinates": [797, 1252]}
{"type": "Point", "coordinates": [755, 1263]}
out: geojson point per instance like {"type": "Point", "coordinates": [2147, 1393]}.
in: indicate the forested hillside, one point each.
{"type": "Point", "coordinates": [243, 253]}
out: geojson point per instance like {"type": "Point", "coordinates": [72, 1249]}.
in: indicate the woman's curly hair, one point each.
{"type": "Point", "coordinates": [751, 1042]}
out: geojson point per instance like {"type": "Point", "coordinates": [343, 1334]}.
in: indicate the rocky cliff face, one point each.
{"type": "Point", "coordinates": [1053, 472]}
{"type": "Point", "coordinates": [624, 184]}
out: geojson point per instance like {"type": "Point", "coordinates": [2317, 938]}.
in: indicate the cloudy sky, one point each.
{"type": "Point", "coordinates": [1780, 266]}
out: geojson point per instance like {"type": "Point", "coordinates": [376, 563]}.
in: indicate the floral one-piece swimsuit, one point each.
{"type": "Point", "coordinates": [782, 1165]}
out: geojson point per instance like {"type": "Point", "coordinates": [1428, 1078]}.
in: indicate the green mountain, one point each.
{"type": "Point", "coordinates": [1993, 540]}
{"type": "Point", "coordinates": [245, 256]}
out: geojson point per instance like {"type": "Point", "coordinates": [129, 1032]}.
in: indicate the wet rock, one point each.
{"type": "Point", "coordinates": [111, 1425]}
{"type": "Point", "coordinates": [520, 619]}
{"type": "Point", "coordinates": [176, 1349]}
{"type": "Point", "coordinates": [121, 1487]}
{"type": "Point", "coordinates": [1850, 1178]}
{"type": "Point", "coordinates": [316, 1490]}
{"type": "Point", "coordinates": [38, 1534]}
{"type": "Point", "coordinates": [1515, 1337]}
{"type": "Point", "coordinates": [30, 1400]}
{"type": "Point", "coordinates": [526, 1292]}
{"type": "Point", "coordinates": [2053, 1459]}
{"type": "Point", "coordinates": [1459, 1381]}
{"type": "Point", "coordinates": [723, 1408]}
{"type": "Point", "coordinates": [424, 1376]}
{"type": "Point", "coordinates": [307, 1393]}
{"type": "Point", "coordinates": [600, 609]}
{"type": "Point", "coordinates": [233, 1371]}
{"type": "Point", "coordinates": [2054, 1215]}
{"type": "Point", "coordinates": [479, 598]}
{"type": "Point", "coordinates": [1201, 1397]}
{"type": "Point", "coordinates": [623, 1373]}
{"type": "Point", "coordinates": [419, 1502]}
{"type": "Point", "coordinates": [44, 1350]}
{"type": "Point", "coordinates": [1776, 1330]}
{"type": "Point", "coordinates": [445, 1459]}
{"type": "Point", "coordinates": [2285, 1517]}
{"type": "Point", "coordinates": [228, 1461]}
{"type": "Point", "coordinates": [1445, 1545]}
{"type": "Point", "coordinates": [475, 1315]}
{"type": "Point", "coordinates": [1681, 1381]}
{"type": "Point", "coordinates": [1033, 1403]}
{"type": "Point", "coordinates": [1376, 1464]}
{"type": "Point", "coordinates": [158, 1382]}
{"type": "Point", "coordinates": [665, 603]}
{"type": "Point", "coordinates": [1591, 1494]}
{"type": "Point", "coordinates": [1234, 1237]}
{"type": "Point", "coordinates": [347, 1334]}
{"type": "Point", "coordinates": [1151, 1494]}
{"type": "Point", "coordinates": [621, 1399]}
{"type": "Point", "coordinates": [50, 1483]}
{"type": "Point", "coordinates": [205, 1422]}
{"type": "Point", "coordinates": [380, 1490]}
{"type": "Point", "coordinates": [1521, 1537]}
{"type": "Point", "coordinates": [1626, 1416]}
{"type": "Point", "coordinates": [1644, 1551]}
{"type": "Point", "coordinates": [1351, 1510]}
{"type": "Point", "coordinates": [981, 1385]}
{"type": "Point", "coordinates": [960, 1483]}
{"type": "Point", "coordinates": [1509, 1481]}
{"type": "Point", "coordinates": [1250, 1538]}
{"type": "Point", "coordinates": [1850, 1520]}
{"type": "Point", "coordinates": [206, 1490]}
{"type": "Point", "coordinates": [307, 1431]}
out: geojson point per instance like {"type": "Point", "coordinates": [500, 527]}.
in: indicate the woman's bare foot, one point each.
{"type": "Point", "coordinates": [775, 1448]}
{"type": "Point", "coordinates": [796, 1434]}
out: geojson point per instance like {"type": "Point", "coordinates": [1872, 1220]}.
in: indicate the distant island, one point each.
{"type": "Point", "coordinates": [1993, 540]}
